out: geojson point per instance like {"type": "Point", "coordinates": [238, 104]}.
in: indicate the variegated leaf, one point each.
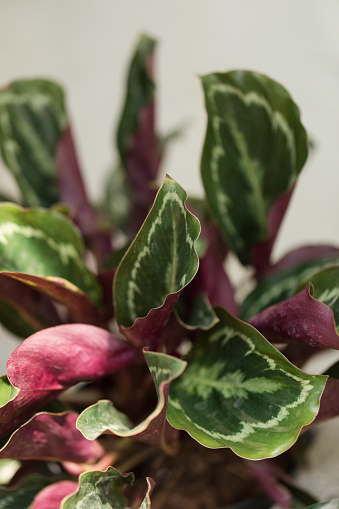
{"type": "Point", "coordinates": [32, 120]}
{"type": "Point", "coordinates": [254, 149]}
{"type": "Point", "coordinates": [103, 416]}
{"type": "Point", "coordinates": [286, 276]}
{"type": "Point", "coordinates": [160, 262]}
{"type": "Point", "coordinates": [23, 496]}
{"type": "Point", "coordinates": [300, 319]}
{"type": "Point", "coordinates": [43, 243]}
{"type": "Point", "coordinates": [102, 490]}
{"type": "Point", "coordinates": [238, 390]}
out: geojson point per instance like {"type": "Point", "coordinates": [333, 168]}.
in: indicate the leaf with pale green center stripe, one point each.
{"type": "Point", "coordinates": [238, 391]}
{"type": "Point", "coordinates": [43, 243]}
{"type": "Point", "coordinates": [32, 120]}
{"type": "Point", "coordinates": [103, 416]}
{"type": "Point", "coordinates": [281, 284]}
{"type": "Point", "coordinates": [160, 262]}
{"type": "Point", "coordinates": [254, 149]}
{"type": "Point", "coordinates": [99, 490]}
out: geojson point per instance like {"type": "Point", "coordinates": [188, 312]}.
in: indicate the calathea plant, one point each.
{"type": "Point", "coordinates": [131, 300]}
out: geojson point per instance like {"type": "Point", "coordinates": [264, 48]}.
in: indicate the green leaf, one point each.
{"type": "Point", "coordinates": [282, 284]}
{"type": "Point", "coordinates": [22, 497]}
{"type": "Point", "coordinates": [146, 503]}
{"type": "Point", "coordinates": [162, 259]}
{"type": "Point", "coordinates": [99, 490]}
{"type": "Point", "coordinates": [330, 504]}
{"type": "Point", "coordinates": [140, 93]}
{"type": "Point", "coordinates": [32, 120]}
{"type": "Point", "coordinates": [7, 391]}
{"type": "Point", "coordinates": [240, 392]}
{"type": "Point", "coordinates": [254, 149]}
{"type": "Point", "coordinates": [44, 244]}
{"type": "Point", "coordinates": [200, 316]}
{"type": "Point", "coordinates": [103, 416]}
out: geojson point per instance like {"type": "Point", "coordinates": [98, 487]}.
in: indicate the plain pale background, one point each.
{"type": "Point", "coordinates": [86, 45]}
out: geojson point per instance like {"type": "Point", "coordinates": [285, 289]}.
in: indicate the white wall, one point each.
{"type": "Point", "coordinates": [86, 44]}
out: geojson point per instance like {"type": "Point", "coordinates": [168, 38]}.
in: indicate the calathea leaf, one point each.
{"type": "Point", "coordinates": [138, 143]}
{"type": "Point", "coordinates": [103, 416]}
{"type": "Point", "coordinates": [160, 262]}
{"type": "Point", "coordinates": [254, 149]}
{"type": "Point", "coordinates": [301, 319]}
{"type": "Point", "coordinates": [54, 359]}
{"type": "Point", "coordinates": [102, 490]}
{"type": "Point", "coordinates": [44, 244]}
{"type": "Point", "coordinates": [330, 504]}
{"type": "Point", "coordinates": [24, 310]}
{"type": "Point", "coordinates": [286, 276]}
{"type": "Point", "coordinates": [22, 497]}
{"type": "Point", "coordinates": [237, 390]}
{"type": "Point", "coordinates": [79, 307]}
{"type": "Point", "coordinates": [51, 436]}
{"type": "Point", "coordinates": [32, 120]}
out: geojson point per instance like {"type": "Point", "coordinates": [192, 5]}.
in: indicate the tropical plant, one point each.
{"type": "Point", "coordinates": [129, 307]}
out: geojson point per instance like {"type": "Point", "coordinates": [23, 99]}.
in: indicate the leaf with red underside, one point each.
{"type": "Point", "coordinates": [52, 495]}
{"type": "Point", "coordinates": [71, 190]}
{"type": "Point", "coordinates": [24, 310]}
{"type": "Point", "coordinates": [302, 319]}
{"type": "Point", "coordinates": [159, 264]}
{"type": "Point", "coordinates": [285, 276]}
{"type": "Point", "coordinates": [254, 150]}
{"type": "Point", "coordinates": [54, 359]}
{"type": "Point", "coordinates": [138, 143]}
{"type": "Point", "coordinates": [79, 307]}
{"type": "Point", "coordinates": [103, 416]}
{"type": "Point", "coordinates": [51, 437]}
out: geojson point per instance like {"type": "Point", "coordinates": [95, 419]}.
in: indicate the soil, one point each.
{"type": "Point", "coordinates": [200, 478]}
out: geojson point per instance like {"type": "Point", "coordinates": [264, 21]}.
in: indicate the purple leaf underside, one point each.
{"type": "Point", "coordinates": [300, 319]}
{"type": "Point", "coordinates": [51, 436]}
{"type": "Point", "coordinates": [52, 495]}
{"type": "Point", "coordinates": [149, 331]}
{"type": "Point", "coordinates": [54, 359]}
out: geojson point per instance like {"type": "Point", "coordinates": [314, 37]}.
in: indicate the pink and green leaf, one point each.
{"type": "Point", "coordinates": [138, 143]}
{"type": "Point", "coordinates": [51, 437]}
{"type": "Point", "coordinates": [104, 417]}
{"type": "Point", "coordinates": [237, 390]}
{"type": "Point", "coordinates": [254, 149]}
{"type": "Point", "coordinates": [300, 319]}
{"type": "Point", "coordinates": [160, 262]}
{"type": "Point", "coordinates": [284, 277]}
{"type": "Point", "coordinates": [43, 243]}
{"type": "Point", "coordinates": [54, 359]}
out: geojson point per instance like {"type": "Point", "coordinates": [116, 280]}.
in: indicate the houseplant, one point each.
{"type": "Point", "coordinates": [171, 349]}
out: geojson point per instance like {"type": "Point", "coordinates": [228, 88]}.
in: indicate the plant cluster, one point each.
{"type": "Point", "coordinates": [129, 302]}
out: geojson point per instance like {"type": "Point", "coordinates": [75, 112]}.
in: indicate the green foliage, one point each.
{"type": "Point", "coordinates": [128, 298]}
